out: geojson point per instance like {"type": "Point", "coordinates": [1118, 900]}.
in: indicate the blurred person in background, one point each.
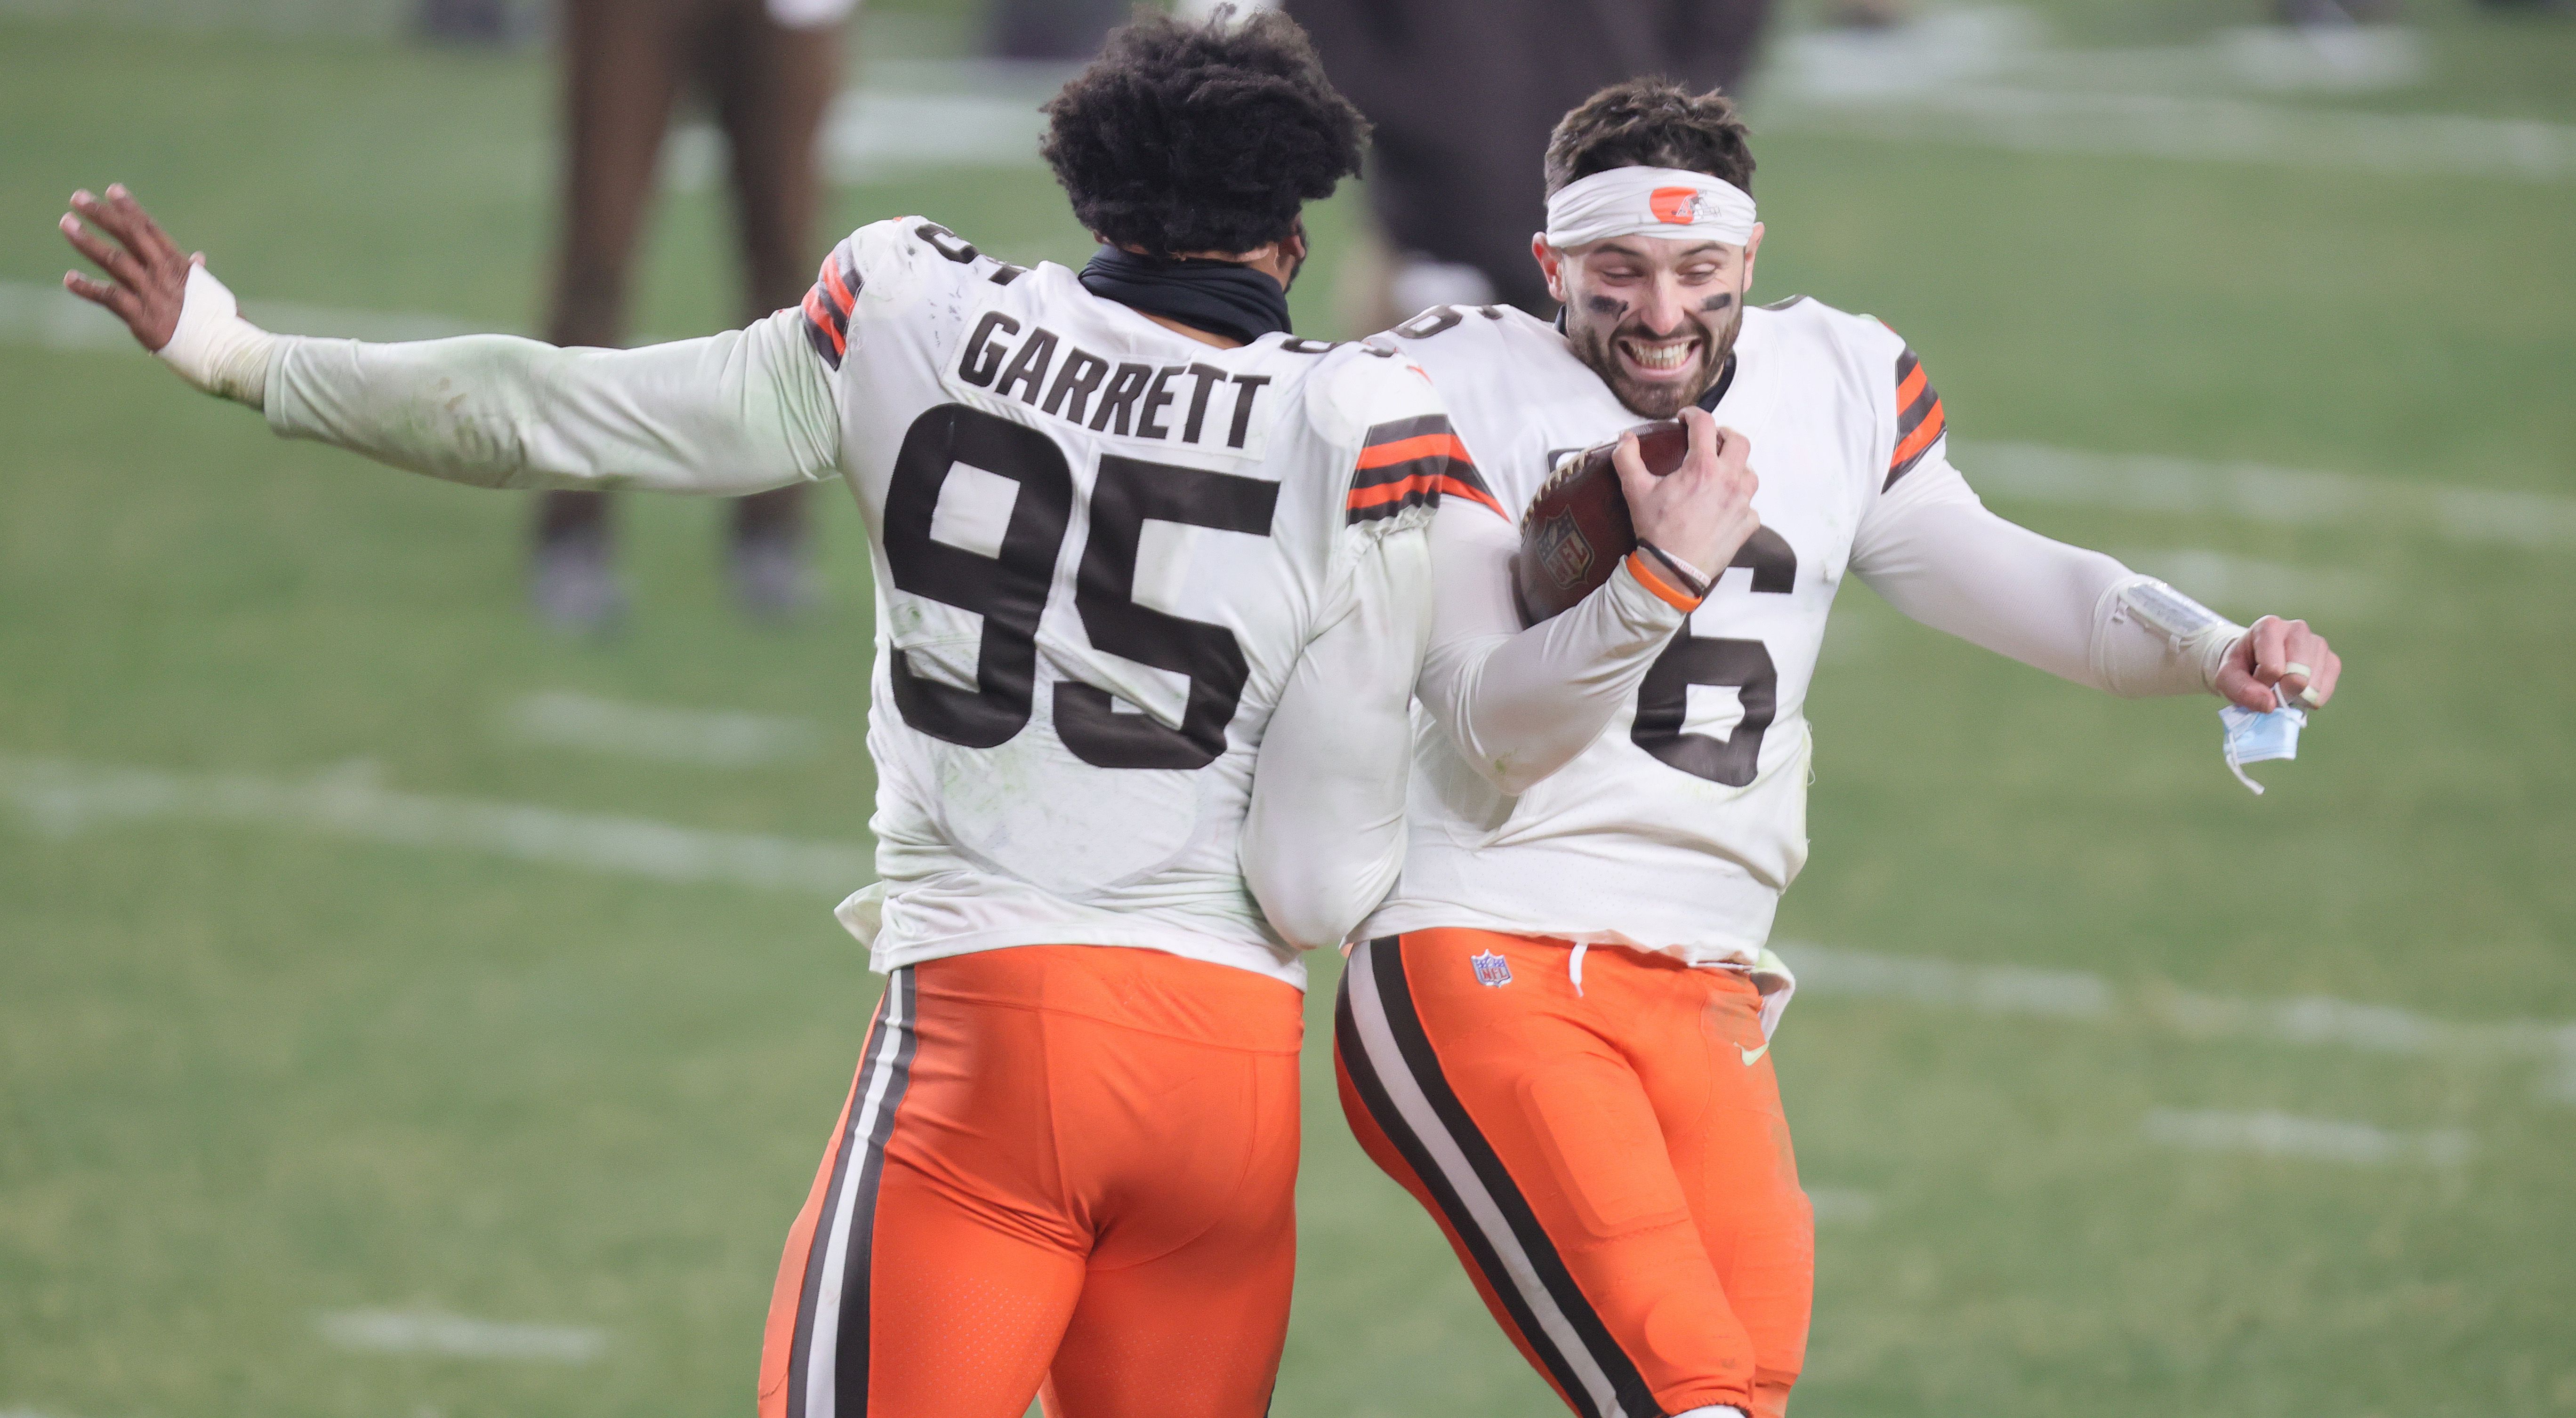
{"type": "Point", "coordinates": [1043, 30]}
{"type": "Point", "coordinates": [470, 22]}
{"type": "Point", "coordinates": [1463, 94]}
{"type": "Point", "coordinates": [768, 70]}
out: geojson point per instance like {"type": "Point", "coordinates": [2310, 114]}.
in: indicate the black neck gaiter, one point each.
{"type": "Point", "coordinates": [1220, 297]}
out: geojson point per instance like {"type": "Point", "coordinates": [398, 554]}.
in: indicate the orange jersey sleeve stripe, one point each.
{"type": "Point", "coordinates": [826, 332]}
{"type": "Point", "coordinates": [842, 296]}
{"type": "Point", "coordinates": [1664, 590]}
{"type": "Point", "coordinates": [1910, 386]}
{"type": "Point", "coordinates": [1925, 434]}
{"type": "Point", "coordinates": [1919, 420]}
{"type": "Point", "coordinates": [816, 311]}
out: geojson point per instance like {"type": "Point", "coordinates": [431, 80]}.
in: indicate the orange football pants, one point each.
{"type": "Point", "coordinates": [1609, 1161]}
{"type": "Point", "coordinates": [1063, 1167]}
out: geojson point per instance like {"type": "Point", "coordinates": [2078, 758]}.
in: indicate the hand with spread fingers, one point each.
{"type": "Point", "coordinates": [147, 281]}
{"type": "Point", "coordinates": [1701, 512]}
{"type": "Point", "coordinates": [173, 304]}
{"type": "Point", "coordinates": [2284, 655]}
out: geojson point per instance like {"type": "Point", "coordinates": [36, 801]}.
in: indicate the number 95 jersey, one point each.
{"type": "Point", "coordinates": [1100, 549]}
{"type": "Point", "coordinates": [1677, 829]}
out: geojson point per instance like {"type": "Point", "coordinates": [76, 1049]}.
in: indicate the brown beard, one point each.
{"type": "Point", "coordinates": [1656, 401]}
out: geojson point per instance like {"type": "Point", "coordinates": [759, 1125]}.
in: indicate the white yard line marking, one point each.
{"type": "Point", "coordinates": [2257, 493]}
{"type": "Point", "coordinates": [2250, 587]}
{"type": "Point", "coordinates": [1842, 1206]}
{"type": "Point", "coordinates": [907, 118]}
{"type": "Point", "coordinates": [1989, 77]}
{"type": "Point", "coordinates": [874, 135]}
{"type": "Point", "coordinates": [2312, 1139]}
{"type": "Point", "coordinates": [63, 798]}
{"type": "Point", "coordinates": [2207, 130]}
{"type": "Point", "coordinates": [1984, 77]}
{"type": "Point", "coordinates": [717, 739]}
{"type": "Point", "coordinates": [397, 1332]}
{"type": "Point", "coordinates": [1988, 989]}
{"type": "Point", "coordinates": [1948, 48]}
{"type": "Point", "coordinates": [2309, 1020]}
{"type": "Point", "coordinates": [53, 318]}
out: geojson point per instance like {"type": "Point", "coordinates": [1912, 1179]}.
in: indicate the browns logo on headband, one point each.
{"type": "Point", "coordinates": [1649, 201]}
{"type": "Point", "coordinates": [1678, 206]}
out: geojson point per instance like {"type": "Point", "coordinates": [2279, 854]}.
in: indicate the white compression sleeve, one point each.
{"type": "Point", "coordinates": [739, 412]}
{"type": "Point", "coordinates": [1325, 834]}
{"type": "Point", "coordinates": [213, 347]}
{"type": "Point", "coordinates": [1934, 552]}
{"type": "Point", "coordinates": [1521, 704]}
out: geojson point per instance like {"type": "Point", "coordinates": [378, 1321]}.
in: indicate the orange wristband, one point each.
{"type": "Point", "coordinates": [1660, 581]}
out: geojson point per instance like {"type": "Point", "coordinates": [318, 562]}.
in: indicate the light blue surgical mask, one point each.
{"type": "Point", "coordinates": [2259, 738]}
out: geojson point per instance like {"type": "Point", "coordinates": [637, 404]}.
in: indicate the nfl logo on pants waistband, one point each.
{"type": "Point", "coordinates": [1491, 968]}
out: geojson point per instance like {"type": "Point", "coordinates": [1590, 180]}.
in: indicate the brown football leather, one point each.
{"type": "Point", "coordinates": [1577, 528]}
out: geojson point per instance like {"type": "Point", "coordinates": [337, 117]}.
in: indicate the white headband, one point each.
{"type": "Point", "coordinates": [1649, 201]}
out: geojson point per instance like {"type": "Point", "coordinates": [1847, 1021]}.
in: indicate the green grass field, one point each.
{"type": "Point", "coordinates": [256, 1072]}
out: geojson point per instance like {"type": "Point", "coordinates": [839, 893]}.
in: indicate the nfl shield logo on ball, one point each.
{"type": "Point", "coordinates": [1563, 551]}
{"type": "Point", "coordinates": [1491, 968]}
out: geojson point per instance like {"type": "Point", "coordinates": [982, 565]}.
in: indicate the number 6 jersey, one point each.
{"type": "Point", "coordinates": [1678, 827]}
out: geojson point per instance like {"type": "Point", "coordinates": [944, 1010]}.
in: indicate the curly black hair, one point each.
{"type": "Point", "coordinates": [1650, 123]}
{"type": "Point", "coordinates": [1201, 137]}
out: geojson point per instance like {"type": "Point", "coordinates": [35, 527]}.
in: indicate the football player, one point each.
{"type": "Point", "coordinates": [1557, 1037]}
{"type": "Point", "coordinates": [1152, 591]}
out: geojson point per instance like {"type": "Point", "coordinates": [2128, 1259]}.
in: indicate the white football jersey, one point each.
{"type": "Point", "coordinates": [1100, 548]}
{"type": "Point", "coordinates": [1678, 828]}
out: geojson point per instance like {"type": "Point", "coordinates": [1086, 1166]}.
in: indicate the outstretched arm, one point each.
{"type": "Point", "coordinates": [1934, 552]}
{"type": "Point", "coordinates": [733, 413]}
{"type": "Point", "coordinates": [1325, 834]}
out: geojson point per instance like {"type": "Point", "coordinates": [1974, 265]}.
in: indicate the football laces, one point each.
{"type": "Point", "coordinates": [1566, 467]}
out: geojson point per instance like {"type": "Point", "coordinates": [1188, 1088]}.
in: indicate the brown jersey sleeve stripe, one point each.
{"type": "Point", "coordinates": [827, 330]}
{"type": "Point", "coordinates": [1911, 450]}
{"type": "Point", "coordinates": [840, 277]}
{"type": "Point", "coordinates": [1455, 468]}
{"type": "Point", "coordinates": [1422, 445]}
{"type": "Point", "coordinates": [1919, 420]}
{"type": "Point", "coordinates": [827, 308]}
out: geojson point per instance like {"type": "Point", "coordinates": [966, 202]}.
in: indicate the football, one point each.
{"type": "Point", "coordinates": [1577, 527]}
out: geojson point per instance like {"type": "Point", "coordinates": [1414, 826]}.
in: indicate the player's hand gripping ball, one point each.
{"type": "Point", "coordinates": [1683, 489]}
{"type": "Point", "coordinates": [1578, 527]}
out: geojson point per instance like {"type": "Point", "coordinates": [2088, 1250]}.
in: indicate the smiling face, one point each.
{"type": "Point", "coordinates": [1653, 316]}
